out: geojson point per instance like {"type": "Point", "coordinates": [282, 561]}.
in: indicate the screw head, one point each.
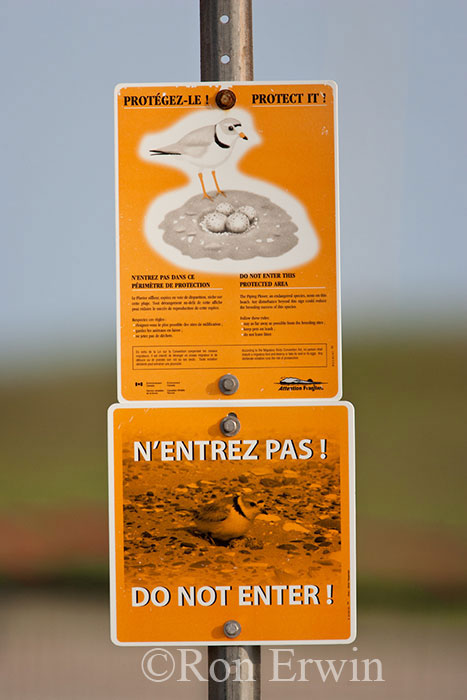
{"type": "Point", "coordinates": [225, 99]}
{"type": "Point", "coordinates": [228, 384]}
{"type": "Point", "coordinates": [230, 425]}
{"type": "Point", "coordinates": [232, 628]}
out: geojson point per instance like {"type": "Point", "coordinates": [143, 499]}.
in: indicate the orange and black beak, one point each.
{"type": "Point", "coordinates": [243, 136]}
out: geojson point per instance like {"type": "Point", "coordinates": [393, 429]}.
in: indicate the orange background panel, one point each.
{"type": "Point", "coordinates": [149, 533]}
{"type": "Point", "coordinates": [296, 154]}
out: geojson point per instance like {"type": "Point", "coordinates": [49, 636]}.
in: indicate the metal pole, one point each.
{"type": "Point", "coordinates": [227, 55]}
{"type": "Point", "coordinates": [226, 40]}
{"type": "Point", "coordinates": [244, 681]}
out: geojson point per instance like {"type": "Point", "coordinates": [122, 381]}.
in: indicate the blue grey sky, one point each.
{"type": "Point", "coordinates": [401, 71]}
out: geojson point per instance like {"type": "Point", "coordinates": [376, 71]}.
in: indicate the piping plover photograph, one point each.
{"type": "Point", "coordinates": [228, 518]}
{"type": "Point", "coordinates": [265, 520]}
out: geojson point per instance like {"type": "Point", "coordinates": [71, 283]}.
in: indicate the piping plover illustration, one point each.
{"type": "Point", "coordinates": [206, 147]}
{"type": "Point", "coordinates": [227, 518]}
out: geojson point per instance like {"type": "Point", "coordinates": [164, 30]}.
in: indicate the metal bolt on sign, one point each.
{"type": "Point", "coordinates": [227, 54]}
{"type": "Point", "coordinates": [228, 384]}
{"type": "Point", "coordinates": [232, 628]}
{"type": "Point", "coordinates": [230, 425]}
{"type": "Point", "coordinates": [226, 99]}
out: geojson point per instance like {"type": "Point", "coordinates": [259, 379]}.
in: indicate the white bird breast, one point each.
{"type": "Point", "coordinates": [213, 157]}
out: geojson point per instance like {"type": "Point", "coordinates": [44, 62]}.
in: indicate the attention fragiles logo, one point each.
{"type": "Point", "coordinates": [296, 384]}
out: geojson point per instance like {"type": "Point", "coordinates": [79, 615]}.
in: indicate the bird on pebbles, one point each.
{"type": "Point", "coordinates": [227, 518]}
{"type": "Point", "coordinates": [206, 147]}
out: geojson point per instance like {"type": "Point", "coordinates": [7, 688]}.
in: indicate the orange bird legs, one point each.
{"type": "Point", "coordinates": [205, 194]}
{"type": "Point", "coordinates": [213, 173]}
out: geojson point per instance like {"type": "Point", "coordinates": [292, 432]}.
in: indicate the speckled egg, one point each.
{"type": "Point", "coordinates": [215, 222]}
{"type": "Point", "coordinates": [237, 223]}
{"type": "Point", "coordinates": [250, 212]}
{"type": "Point", "coordinates": [225, 208]}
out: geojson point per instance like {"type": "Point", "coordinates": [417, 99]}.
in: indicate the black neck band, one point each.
{"type": "Point", "coordinates": [238, 507]}
{"type": "Point", "coordinates": [219, 143]}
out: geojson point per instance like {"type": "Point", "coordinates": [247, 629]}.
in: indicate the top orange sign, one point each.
{"type": "Point", "coordinates": [228, 242]}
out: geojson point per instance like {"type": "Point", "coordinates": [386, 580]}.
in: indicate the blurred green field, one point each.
{"type": "Point", "coordinates": [54, 435]}
{"type": "Point", "coordinates": [411, 476]}
{"type": "Point", "coordinates": [411, 436]}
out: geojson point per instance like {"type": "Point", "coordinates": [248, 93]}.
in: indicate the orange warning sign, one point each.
{"type": "Point", "coordinates": [256, 526]}
{"type": "Point", "coordinates": [228, 241]}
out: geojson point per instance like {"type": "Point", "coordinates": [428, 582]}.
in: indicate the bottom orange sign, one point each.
{"type": "Point", "coordinates": [238, 512]}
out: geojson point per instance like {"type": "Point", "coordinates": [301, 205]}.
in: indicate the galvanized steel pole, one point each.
{"type": "Point", "coordinates": [226, 40]}
{"type": "Point", "coordinates": [244, 681]}
{"type": "Point", "coordinates": [227, 55]}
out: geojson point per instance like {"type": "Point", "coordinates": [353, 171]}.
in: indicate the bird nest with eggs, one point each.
{"type": "Point", "coordinates": [238, 225]}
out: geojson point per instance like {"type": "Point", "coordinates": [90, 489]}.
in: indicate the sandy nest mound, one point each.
{"type": "Point", "coordinates": [268, 231]}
